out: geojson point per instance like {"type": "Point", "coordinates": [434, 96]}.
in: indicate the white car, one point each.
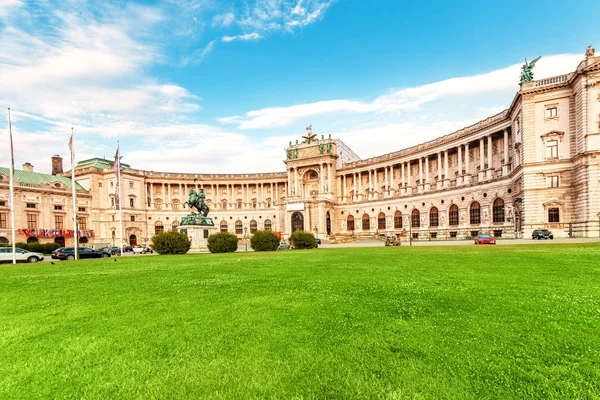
{"type": "Point", "coordinates": [142, 250]}
{"type": "Point", "coordinates": [22, 255]}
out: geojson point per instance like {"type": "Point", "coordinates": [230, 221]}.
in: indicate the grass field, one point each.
{"type": "Point", "coordinates": [424, 322]}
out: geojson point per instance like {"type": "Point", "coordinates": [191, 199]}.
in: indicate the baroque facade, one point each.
{"type": "Point", "coordinates": [534, 165]}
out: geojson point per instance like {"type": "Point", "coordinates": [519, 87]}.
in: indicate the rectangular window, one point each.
{"type": "Point", "coordinates": [553, 215]}
{"type": "Point", "coordinates": [58, 222]}
{"type": "Point", "coordinates": [453, 234]}
{"type": "Point", "coordinates": [498, 233]}
{"type": "Point", "coordinates": [82, 223]}
{"type": "Point", "coordinates": [99, 184]}
{"type": "Point", "coordinates": [131, 203]}
{"type": "Point", "coordinates": [111, 183]}
{"type": "Point", "coordinates": [551, 112]}
{"type": "Point", "coordinates": [58, 208]}
{"type": "Point", "coordinates": [2, 203]}
{"type": "Point", "coordinates": [552, 181]}
{"type": "Point", "coordinates": [31, 221]}
{"type": "Point", "coordinates": [552, 149]}
{"type": "Point", "coordinates": [81, 209]}
{"type": "Point", "coordinates": [30, 205]}
{"type": "Point", "coordinates": [2, 220]}
{"type": "Point", "coordinates": [133, 218]}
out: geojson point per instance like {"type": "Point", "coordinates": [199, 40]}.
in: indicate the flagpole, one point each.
{"type": "Point", "coordinates": [12, 192]}
{"type": "Point", "coordinates": [120, 197]}
{"type": "Point", "coordinates": [74, 194]}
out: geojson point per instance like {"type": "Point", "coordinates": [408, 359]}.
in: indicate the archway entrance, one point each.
{"type": "Point", "coordinates": [132, 240]}
{"type": "Point", "coordinates": [297, 221]}
{"type": "Point", "coordinates": [328, 224]}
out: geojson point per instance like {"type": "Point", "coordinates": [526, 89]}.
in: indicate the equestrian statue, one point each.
{"type": "Point", "coordinates": [196, 201]}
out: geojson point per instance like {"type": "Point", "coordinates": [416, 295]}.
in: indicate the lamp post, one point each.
{"type": "Point", "coordinates": [246, 238]}
{"type": "Point", "coordinates": [598, 224]}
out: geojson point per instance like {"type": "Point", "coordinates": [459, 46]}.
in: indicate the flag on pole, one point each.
{"type": "Point", "coordinates": [309, 128]}
{"type": "Point", "coordinates": [117, 167]}
{"type": "Point", "coordinates": [72, 148]}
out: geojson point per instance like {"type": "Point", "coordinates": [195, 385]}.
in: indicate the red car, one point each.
{"type": "Point", "coordinates": [485, 239]}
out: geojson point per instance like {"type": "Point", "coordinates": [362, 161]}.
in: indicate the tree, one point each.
{"type": "Point", "coordinates": [264, 241]}
{"type": "Point", "coordinates": [171, 242]}
{"type": "Point", "coordinates": [303, 240]}
{"type": "Point", "coordinates": [222, 242]}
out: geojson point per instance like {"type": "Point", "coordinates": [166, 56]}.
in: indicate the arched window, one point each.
{"type": "Point", "coordinates": [433, 217]}
{"type": "Point", "coordinates": [174, 225]}
{"type": "Point", "coordinates": [239, 228]}
{"type": "Point", "coordinates": [253, 226]}
{"type": "Point", "coordinates": [3, 240]}
{"type": "Point", "coordinates": [498, 210]}
{"type": "Point", "coordinates": [267, 225]}
{"type": "Point", "coordinates": [475, 213]}
{"type": "Point", "coordinates": [398, 220]}
{"type": "Point", "coordinates": [223, 226]}
{"type": "Point", "coordinates": [366, 225]}
{"type": "Point", "coordinates": [415, 218]}
{"type": "Point", "coordinates": [453, 215]}
{"type": "Point", "coordinates": [131, 202]}
{"type": "Point", "coordinates": [112, 201]}
{"type": "Point", "coordinates": [381, 221]}
{"type": "Point", "coordinates": [158, 227]}
{"type": "Point", "coordinates": [32, 239]}
{"type": "Point", "coordinates": [83, 240]}
{"type": "Point", "coordinates": [350, 223]}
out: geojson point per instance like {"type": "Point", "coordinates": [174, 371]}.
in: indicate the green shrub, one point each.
{"type": "Point", "coordinates": [44, 248]}
{"type": "Point", "coordinates": [222, 242]}
{"type": "Point", "coordinates": [303, 240]}
{"type": "Point", "coordinates": [171, 242]}
{"type": "Point", "coordinates": [264, 241]}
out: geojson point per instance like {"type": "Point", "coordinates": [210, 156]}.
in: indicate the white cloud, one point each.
{"type": "Point", "coordinates": [411, 98]}
{"type": "Point", "coordinates": [223, 20]}
{"type": "Point", "coordinates": [246, 37]}
{"type": "Point", "coordinates": [7, 6]}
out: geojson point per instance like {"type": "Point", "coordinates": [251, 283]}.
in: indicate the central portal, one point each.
{"type": "Point", "coordinates": [297, 221]}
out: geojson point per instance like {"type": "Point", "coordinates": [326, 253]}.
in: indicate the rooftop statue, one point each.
{"type": "Point", "coordinates": [590, 51]}
{"type": "Point", "coordinates": [527, 70]}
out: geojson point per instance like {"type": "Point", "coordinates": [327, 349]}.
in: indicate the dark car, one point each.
{"type": "Point", "coordinates": [113, 250]}
{"type": "Point", "coordinates": [485, 239]}
{"type": "Point", "coordinates": [68, 253]}
{"type": "Point", "coordinates": [127, 248]}
{"type": "Point", "coordinates": [542, 234]}
{"type": "Point", "coordinates": [318, 242]}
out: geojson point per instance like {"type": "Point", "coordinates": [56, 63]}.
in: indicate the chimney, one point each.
{"type": "Point", "coordinates": [27, 167]}
{"type": "Point", "coordinates": [57, 165]}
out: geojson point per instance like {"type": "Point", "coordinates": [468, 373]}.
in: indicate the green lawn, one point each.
{"type": "Point", "coordinates": [391, 322]}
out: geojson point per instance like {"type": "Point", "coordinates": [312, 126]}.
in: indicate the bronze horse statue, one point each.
{"type": "Point", "coordinates": [196, 201]}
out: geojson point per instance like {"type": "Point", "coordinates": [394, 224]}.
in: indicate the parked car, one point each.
{"type": "Point", "coordinates": [142, 250]}
{"type": "Point", "coordinates": [113, 250]}
{"type": "Point", "coordinates": [318, 242]}
{"type": "Point", "coordinates": [127, 248]}
{"type": "Point", "coordinates": [68, 253]}
{"type": "Point", "coordinates": [542, 234]}
{"type": "Point", "coordinates": [284, 246]}
{"type": "Point", "coordinates": [21, 255]}
{"type": "Point", "coordinates": [485, 239]}
{"type": "Point", "coordinates": [392, 240]}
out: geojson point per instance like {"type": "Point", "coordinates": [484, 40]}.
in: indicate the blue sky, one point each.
{"type": "Point", "coordinates": [222, 86]}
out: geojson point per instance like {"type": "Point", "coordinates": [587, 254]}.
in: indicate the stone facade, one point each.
{"type": "Point", "coordinates": [534, 165]}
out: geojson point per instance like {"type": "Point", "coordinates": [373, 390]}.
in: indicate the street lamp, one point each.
{"type": "Point", "coordinates": [246, 238]}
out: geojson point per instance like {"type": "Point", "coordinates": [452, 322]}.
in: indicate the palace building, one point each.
{"type": "Point", "coordinates": [534, 165]}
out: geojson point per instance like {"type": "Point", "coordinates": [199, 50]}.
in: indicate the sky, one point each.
{"type": "Point", "coordinates": [222, 86]}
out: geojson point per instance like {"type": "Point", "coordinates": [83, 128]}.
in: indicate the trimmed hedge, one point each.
{"type": "Point", "coordinates": [44, 248]}
{"type": "Point", "coordinates": [264, 241]}
{"type": "Point", "coordinates": [303, 240]}
{"type": "Point", "coordinates": [222, 242]}
{"type": "Point", "coordinates": [171, 242]}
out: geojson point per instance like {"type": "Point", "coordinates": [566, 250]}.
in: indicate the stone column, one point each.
{"type": "Point", "coordinates": [459, 179]}
{"type": "Point", "coordinates": [506, 163]}
{"type": "Point", "coordinates": [439, 182]}
{"type": "Point", "coordinates": [329, 178]}
{"type": "Point", "coordinates": [446, 177]}
{"type": "Point", "coordinates": [360, 188]}
{"type": "Point", "coordinates": [370, 195]}
{"type": "Point", "coordinates": [427, 183]}
{"type": "Point", "coordinates": [289, 178]}
{"type": "Point", "coordinates": [481, 173]}
{"type": "Point", "coordinates": [375, 184]}
{"type": "Point", "coordinates": [402, 182]}
{"type": "Point", "coordinates": [296, 184]}
{"type": "Point", "coordinates": [151, 194]}
{"type": "Point", "coordinates": [392, 183]}
{"type": "Point", "coordinates": [344, 189]}
{"type": "Point", "coordinates": [321, 179]}
{"type": "Point", "coordinates": [420, 189]}
{"type": "Point", "coordinates": [490, 168]}
{"type": "Point", "coordinates": [276, 193]}
{"type": "Point", "coordinates": [340, 192]}
{"type": "Point", "coordinates": [467, 177]}
{"type": "Point", "coordinates": [408, 178]}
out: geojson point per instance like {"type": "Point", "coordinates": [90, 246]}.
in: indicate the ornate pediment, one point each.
{"type": "Point", "coordinates": [553, 203]}
{"type": "Point", "coordinates": [552, 135]}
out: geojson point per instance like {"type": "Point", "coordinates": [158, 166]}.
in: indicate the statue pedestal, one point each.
{"type": "Point", "coordinates": [198, 235]}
